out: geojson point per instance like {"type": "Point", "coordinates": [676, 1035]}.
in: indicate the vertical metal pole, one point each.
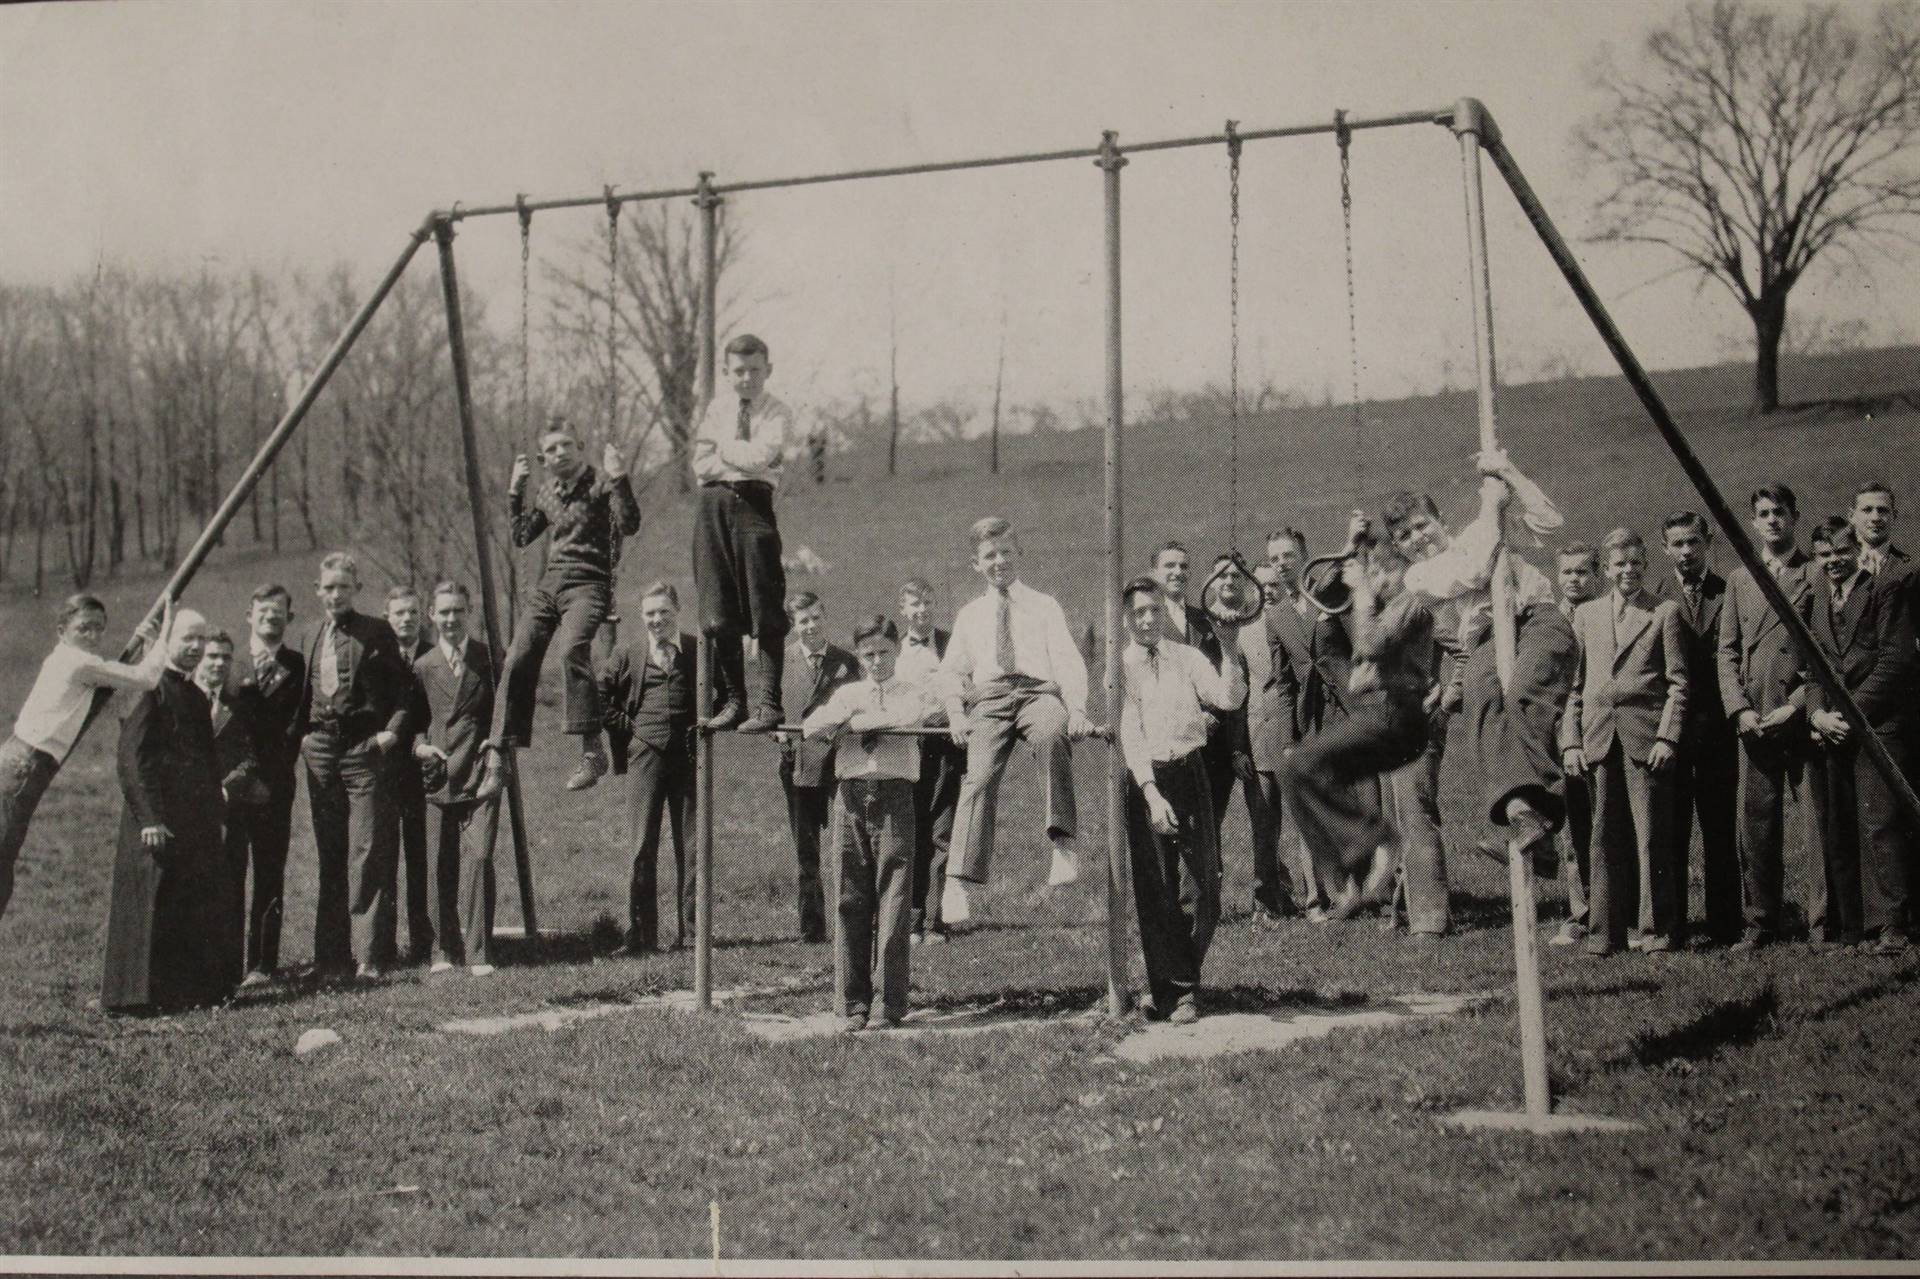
{"type": "Point", "coordinates": [1110, 163]}
{"type": "Point", "coordinates": [1470, 122]}
{"type": "Point", "coordinates": [709, 206]}
{"type": "Point", "coordinates": [489, 603]}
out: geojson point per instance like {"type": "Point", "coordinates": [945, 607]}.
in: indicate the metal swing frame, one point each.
{"type": "Point", "coordinates": [1475, 132]}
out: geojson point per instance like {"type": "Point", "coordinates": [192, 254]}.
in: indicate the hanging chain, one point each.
{"type": "Point", "coordinates": [613, 314]}
{"type": "Point", "coordinates": [1233, 337]}
{"type": "Point", "coordinates": [1344, 136]}
{"type": "Point", "coordinates": [526, 346]}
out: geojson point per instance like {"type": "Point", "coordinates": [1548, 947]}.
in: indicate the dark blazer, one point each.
{"type": "Point", "coordinates": [379, 685]}
{"type": "Point", "coordinates": [1758, 665]}
{"type": "Point", "coordinates": [454, 715]}
{"type": "Point", "coordinates": [272, 695]}
{"type": "Point", "coordinates": [802, 694]}
{"type": "Point", "coordinates": [1871, 643]}
{"type": "Point", "coordinates": [1700, 636]}
{"type": "Point", "coordinates": [623, 693]}
{"type": "Point", "coordinates": [1312, 662]}
{"type": "Point", "coordinates": [236, 753]}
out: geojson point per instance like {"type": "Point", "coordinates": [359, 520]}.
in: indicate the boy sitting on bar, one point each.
{"type": "Point", "coordinates": [875, 824]}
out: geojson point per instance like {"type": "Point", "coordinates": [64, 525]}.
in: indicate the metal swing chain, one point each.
{"type": "Point", "coordinates": [1233, 339]}
{"type": "Point", "coordinates": [1344, 136]}
{"type": "Point", "coordinates": [613, 389]}
{"type": "Point", "coordinates": [526, 347]}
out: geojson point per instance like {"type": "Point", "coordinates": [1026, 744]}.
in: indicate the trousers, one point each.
{"type": "Point", "coordinates": [1176, 879]}
{"type": "Point", "coordinates": [1002, 715]}
{"type": "Point", "coordinates": [24, 775]}
{"type": "Point", "coordinates": [570, 612]}
{"type": "Point", "coordinates": [356, 832]}
{"type": "Point", "coordinates": [873, 839]}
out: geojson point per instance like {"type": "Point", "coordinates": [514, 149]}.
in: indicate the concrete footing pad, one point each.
{"type": "Point", "coordinates": [1559, 1124]}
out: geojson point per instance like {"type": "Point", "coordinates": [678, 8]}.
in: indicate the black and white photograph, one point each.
{"type": "Point", "coordinates": [1022, 637]}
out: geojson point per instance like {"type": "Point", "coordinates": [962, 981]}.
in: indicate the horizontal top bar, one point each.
{"type": "Point", "coordinates": [1443, 115]}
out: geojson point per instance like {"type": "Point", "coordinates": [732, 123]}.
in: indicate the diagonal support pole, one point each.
{"type": "Point", "coordinates": [1735, 532]}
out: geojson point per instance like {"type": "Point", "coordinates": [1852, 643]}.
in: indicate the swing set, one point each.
{"type": "Point", "coordinates": [1229, 592]}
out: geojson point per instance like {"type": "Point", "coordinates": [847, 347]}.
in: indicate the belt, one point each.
{"type": "Point", "coordinates": [745, 488]}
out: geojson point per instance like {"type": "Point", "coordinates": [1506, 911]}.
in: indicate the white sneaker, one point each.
{"type": "Point", "coordinates": [480, 970]}
{"type": "Point", "coordinates": [1065, 868]}
{"type": "Point", "coordinates": [441, 966]}
{"type": "Point", "coordinates": [954, 906]}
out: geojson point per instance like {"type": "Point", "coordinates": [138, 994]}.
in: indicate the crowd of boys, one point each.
{"type": "Point", "coordinates": [1635, 703]}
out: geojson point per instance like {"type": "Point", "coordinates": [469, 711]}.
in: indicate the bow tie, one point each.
{"type": "Point", "coordinates": [914, 641]}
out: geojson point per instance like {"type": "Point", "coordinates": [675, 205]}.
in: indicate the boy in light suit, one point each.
{"type": "Point", "coordinates": [1621, 730]}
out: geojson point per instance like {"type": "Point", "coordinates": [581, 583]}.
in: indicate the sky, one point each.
{"type": "Point", "coordinates": [297, 134]}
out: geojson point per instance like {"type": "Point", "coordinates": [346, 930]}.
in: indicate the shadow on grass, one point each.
{"type": "Point", "coordinates": [1068, 1000]}
{"type": "Point", "coordinates": [1732, 1023]}
{"type": "Point", "coordinates": [1892, 983]}
{"type": "Point", "coordinates": [1854, 405]}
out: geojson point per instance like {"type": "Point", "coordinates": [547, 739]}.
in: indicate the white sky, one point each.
{"type": "Point", "coordinates": [283, 134]}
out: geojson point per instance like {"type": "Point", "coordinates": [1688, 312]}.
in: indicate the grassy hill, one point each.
{"type": "Point", "coordinates": [1773, 1086]}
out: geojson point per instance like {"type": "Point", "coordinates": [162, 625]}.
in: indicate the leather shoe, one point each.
{"type": "Point", "coordinates": [724, 718]}
{"type": "Point", "coordinates": [1892, 942]}
{"type": "Point", "coordinates": [1184, 1013]}
{"type": "Point", "coordinates": [593, 765]}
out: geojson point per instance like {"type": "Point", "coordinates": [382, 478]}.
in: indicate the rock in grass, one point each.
{"type": "Point", "coordinates": [314, 1040]}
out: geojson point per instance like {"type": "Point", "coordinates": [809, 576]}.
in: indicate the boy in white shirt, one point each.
{"type": "Point", "coordinates": [55, 710]}
{"type": "Point", "coordinates": [874, 825]}
{"type": "Point", "coordinates": [1012, 673]}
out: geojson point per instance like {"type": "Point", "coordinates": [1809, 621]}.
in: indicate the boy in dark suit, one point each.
{"type": "Point", "coordinates": [236, 761]}
{"type": "Point", "coordinates": [814, 668]}
{"type": "Point", "coordinates": [1862, 626]}
{"type": "Point", "coordinates": [269, 682]}
{"type": "Point", "coordinates": [1706, 775]}
{"type": "Point", "coordinates": [410, 797]}
{"type": "Point", "coordinates": [1621, 730]}
{"type": "Point", "coordinates": [1763, 688]}
{"type": "Point", "coordinates": [648, 691]}
{"type": "Point", "coordinates": [355, 710]}
{"type": "Point", "coordinates": [936, 795]}
{"type": "Point", "coordinates": [453, 708]}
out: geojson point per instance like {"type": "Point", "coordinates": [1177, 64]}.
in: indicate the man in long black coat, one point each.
{"type": "Point", "coordinates": [166, 869]}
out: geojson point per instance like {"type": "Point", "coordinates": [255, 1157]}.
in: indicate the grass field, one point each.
{"type": "Point", "coordinates": [1775, 1089]}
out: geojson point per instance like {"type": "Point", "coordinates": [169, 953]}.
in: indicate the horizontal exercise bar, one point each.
{"type": "Point", "coordinates": [919, 730]}
{"type": "Point", "coordinates": [1443, 115]}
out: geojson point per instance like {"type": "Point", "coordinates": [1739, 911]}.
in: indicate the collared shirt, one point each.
{"type": "Point", "coordinates": [588, 515]}
{"type": "Point", "coordinates": [657, 653]}
{"type": "Point", "coordinates": [1455, 582]}
{"type": "Point", "coordinates": [1873, 558]}
{"type": "Point", "coordinates": [918, 661]}
{"type": "Point", "coordinates": [456, 654]}
{"type": "Point", "coordinates": [899, 703]}
{"type": "Point", "coordinates": [261, 654]}
{"type": "Point", "coordinates": [50, 718]}
{"type": "Point", "coordinates": [1844, 592]}
{"type": "Point", "coordinates": [721, 456]}
{"type": "Point", "coordinates": [1043, 647]}
{"type": "Point", "coordinates": [1164, 712]}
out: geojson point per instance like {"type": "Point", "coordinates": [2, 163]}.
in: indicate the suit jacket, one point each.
{"type": "Point", "coordinates": [1871, 644]}
{"type": "Point", "coordinates": [453, 714]}
{"type": "Point", "coordinates": [236, 754]}
{"type": "Point", "coordinates": [623, 693]}
{"type": "Point", "coordinates": [801, 695]}
{"type": "Point", "coordinates": [1312, 660]}
{"type": "Point", "coordinates": [1700, 633]}
{"type": "Point", "coordinates": [1269, 711]}
{"type": "Point", "coordinates": [378, 685]}
{"type": "Point", "coordinates": [272, 695]}
{"type": "Point", "coordinates": [1630, 687]}
{"type": "Point", "coordinates": [1759, 667]}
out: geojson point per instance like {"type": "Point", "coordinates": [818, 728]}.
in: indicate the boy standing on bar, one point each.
{"type": "Point", "coordinates": [874, 824]}
{"type": "Point", "coordinates": [739, 450]}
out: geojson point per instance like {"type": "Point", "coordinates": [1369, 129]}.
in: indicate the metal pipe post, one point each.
{"type": "Point", "coordinates": [1471, 123]}
{"type": "Point", "coordinates": [1110, 164]}
{"type": "Point", "coordinates": [1731, 527]}
{"type": "Point", "coordinates": [709, 205]}
{"type": "Point", "coordinates": [489, 603]}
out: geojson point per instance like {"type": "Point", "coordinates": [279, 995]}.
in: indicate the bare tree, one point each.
{"type": "Point", "coordinates": [656, 350]}
{"type": "Point", "coordinates": [1752, 140]}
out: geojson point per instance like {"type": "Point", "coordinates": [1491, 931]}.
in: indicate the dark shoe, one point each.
{"type": "Point", "coordinates": [1186, 1012]}
{"type": "Point", "coordinates": [1749, 941]}
{"type": "Point", "coordinates": [725, 718]}
{"type": "Point", "coordinates": [1892, 942]}
{"type": "Point", "coordinates": [593, 766]}
{"type": "Point", "coordinates": [764, 672]}
{"type": "Point", "coordinates": [853, 1023]}
{"type": "Point", "coordinates": [762, 721]}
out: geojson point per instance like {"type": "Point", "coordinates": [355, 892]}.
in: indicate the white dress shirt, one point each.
{"type": "Point", "coordinates": [1455, 582]}
{"type": "Point", "coordinates": [1164, 714]}
{"type": "Point", "coordinates": [918, 662]}
{"type": "Point", "coordinates": [1043, 646]}
{"type": "Point", "coordinates": [50, 718]}
{"type": "Point", "coordinates": [899, 703]}
{"type": "Point", "coordinates": [720, 455]}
